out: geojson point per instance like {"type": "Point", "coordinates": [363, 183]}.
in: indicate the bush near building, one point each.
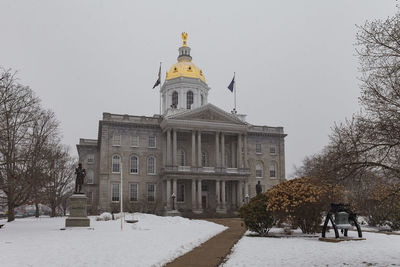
{"type": "Point", "coordinates": [301, 202]}
{"type": "Point", "coordinates": [255, 215]}
{"type": "Point", "coordinates": [384, 206]}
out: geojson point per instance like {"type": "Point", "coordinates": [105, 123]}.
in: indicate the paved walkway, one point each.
{"type": "Point", "coordinates": [213, 251]}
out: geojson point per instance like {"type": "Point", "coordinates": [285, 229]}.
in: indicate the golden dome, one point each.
{"type": "Point", "coordinates": [185, 69]}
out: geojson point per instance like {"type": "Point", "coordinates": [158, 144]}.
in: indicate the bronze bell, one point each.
{"type": "Point", "coordinates": [342, 220]}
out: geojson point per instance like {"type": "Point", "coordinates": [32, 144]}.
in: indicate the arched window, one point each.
{"type": "Point", "coordinates": [151, 165]}
{"type": "Point", "coordinates": [259, 170]}
{"type": "Point", "coordinates": [189, 99]}
{"type": "Point", "coordinates": [90, 177]}
{"type": "Point", "coordinates": [181, 157]}
{"type": "Point", "coordinates": [134, 164]}
{"type": "Point", "coordinates": [175, 99]}
{"type": "Point", "coordinates": [272, 170]}
{"type": "Point", "coordinates": [116, 163]}
{"type": "Point", "coordinates": [202, 100]}
{"type": "Point", "coordinates": [204, 159]}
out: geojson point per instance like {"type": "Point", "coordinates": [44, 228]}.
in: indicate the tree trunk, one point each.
{"type": "Point", "coordinates": [10, 214]}
{"type": "Point", "coordinates": [53, 211]}
{"type": "Point", "coordinates": [37, 210]}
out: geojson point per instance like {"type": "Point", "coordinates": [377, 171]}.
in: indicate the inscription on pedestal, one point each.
{"type": "Point", "coordinates": [78, 214]}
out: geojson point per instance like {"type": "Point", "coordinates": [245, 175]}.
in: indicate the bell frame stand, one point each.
{"type": "Point", "coordinates": [335, 208]}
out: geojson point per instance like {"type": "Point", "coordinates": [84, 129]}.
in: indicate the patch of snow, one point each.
{"type": "Point", "coordinates": [377, 250]}
{"type": "Point", "coordinates": [152, 241]}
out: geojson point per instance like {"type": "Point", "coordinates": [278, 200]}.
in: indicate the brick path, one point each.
{"type": "Point", "coordinates": [213, 251]}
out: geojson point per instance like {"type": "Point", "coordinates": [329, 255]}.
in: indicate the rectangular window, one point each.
{"type": "Point", "coordinates": [181, 193]}
{"type": "Point", "coordinates": [90, 198]}
{"type": "Point", "coordinates": [90, 158]}
{"type": "Point", "coordinates": [115, 192]}
{"type": "Point", "coordinates": [134, 141]}
{"type": "Point", "coordinates": [258, 148]}
{"type": "Point", "coordinates": [272, 150]}
{"type": "Point", "coordinates": [116, 141]}
{"type": "Point", "coordinates": [152, 142]}
{"type": "Point", "coordinates": [151, 192]}
{"type": "Point", "coordinates": [133, 192]}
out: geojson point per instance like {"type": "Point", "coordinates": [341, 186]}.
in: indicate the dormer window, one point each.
{"type": "Point", "coordinates": [190, 68]}
{"type": "Point", "coordinates": [175, 69]}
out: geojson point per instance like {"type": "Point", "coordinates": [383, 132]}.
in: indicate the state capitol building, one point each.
{"type": "Point", "coordinates": [195, 159]}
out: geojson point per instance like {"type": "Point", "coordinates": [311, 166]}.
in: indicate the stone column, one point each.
{"type": "Point", "coordinates": [174, 190]}
{"type": "Point", "coordinates": [174, 148]}
{"type": "Point", "coordinates": [217, 149]}
{"type": "Point", "coordinates": [240, 194]}
{"type": "Point", "coordinates": [168, 194]}
{"type": "Point", "coordinates": [193, 149]}
{"type": "Point", "coordinates": [217, 191]}
{"type": "Point", "coordinates": [222, 150]}
{"type": "Point", "coordinates": [169, 163]}
{"type": "Point", "coordinates": [246, 189]}
{"type": "Point", "coordinates": [234, 155]}
{"type": "Point", "coordinates": [245, 151]}
{"type": "Point", "coordinates": [234, 194]}
{"type": "Point", "coordinates": [223, 194]}
{"type": "Point", "coordinates": [199, 149]}
{"type": "Point", "coordinates": [194, 195]}
{"type": "Point", "coordinates": [239, 151]}
{"type": "Point", "coordinates": [199, 195]}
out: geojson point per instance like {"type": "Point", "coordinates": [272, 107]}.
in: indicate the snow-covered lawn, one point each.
{"type": "Point", "coordinates": [377, 250]}
{"type": "Point", "coordinates": [153, 241]}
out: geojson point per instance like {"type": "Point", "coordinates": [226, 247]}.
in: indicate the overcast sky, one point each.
{"type": "Point", "coordinates": [294, 60]}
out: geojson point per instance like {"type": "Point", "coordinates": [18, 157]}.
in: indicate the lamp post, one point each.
{"type": "Point", "coordinates": [173, 201]}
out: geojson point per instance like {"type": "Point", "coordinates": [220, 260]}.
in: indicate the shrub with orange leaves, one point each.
{"type": "Point", "coordinates": [301, 202]}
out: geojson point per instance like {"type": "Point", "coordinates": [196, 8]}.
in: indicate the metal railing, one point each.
{"type": "Point", "coordinates": [218, 170]}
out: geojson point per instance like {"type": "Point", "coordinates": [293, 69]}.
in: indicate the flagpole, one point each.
{"type": "Point", "coordinates": [160, 87]}
{"type": "Point", "coordinates": [234, 88]}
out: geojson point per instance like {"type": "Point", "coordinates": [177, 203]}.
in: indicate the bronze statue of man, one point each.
{"type": "Point", "coordinates": [80, 176]}
{"type": "Point", "coordinates": [258, 188]}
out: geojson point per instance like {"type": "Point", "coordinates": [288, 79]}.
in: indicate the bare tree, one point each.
{"type": "Point", "coordinates": [59, 177]}
{"type": "Point", "coordinates": [19, 109]}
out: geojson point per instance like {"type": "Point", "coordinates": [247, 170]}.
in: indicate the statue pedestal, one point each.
{"type": "Point", "coordinates": [78, 214]}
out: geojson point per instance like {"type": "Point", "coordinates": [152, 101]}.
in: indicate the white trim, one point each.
{"type": "Point", "coordinates": [119, 193]}
{"type": "Point", "coordinates": [112, 164]}
{"type": "Point", "coordinates": [137, 164]}
{"type": "Point", "coordinates": [137, 192]}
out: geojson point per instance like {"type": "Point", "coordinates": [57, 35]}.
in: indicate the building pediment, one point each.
{"type": "Point", "coordinates": [207, 117]}
{"type": "Point", "coordinates": [208, 113]}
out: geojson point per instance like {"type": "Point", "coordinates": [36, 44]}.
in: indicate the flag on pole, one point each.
{"type": "Point", "coordinates": [159, 78]}
{"type": "Point", "coordinates": [232, 84]}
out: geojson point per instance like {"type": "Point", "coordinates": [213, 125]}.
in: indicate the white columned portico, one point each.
{"type": "Point", "coordinates": [174, 148]}
{"type": "Point", "coordinates": [240, 194]}
{"type": "Point", "coordinates": [199, 149]}
{"type": "Point", "coordinates": [194, 195]}
{"type": "Point", "coordinates": [174, 191]}
{"type": "Point", "coordinates": [222, 150]}
{"type": "Point", "coordinates": [217, 149]}
{"type": "Point", "coordinates": [217, 192]}
{"type": "Point", "coordinates": [239, 151]}
{"type": "Point", "coordinates": [168, 194]}
{"type": "Point", "coordinates": [199, 206]}
{"type": "Point", "coordinates": [169, 163]}
{"type": "Point", "coordinates": [223, 195]}
{"type": "Point", "coordinates": [245, 151]}
{"type": "Point", "coordinates": [246, 190]}
{"type": "Point", "coordinates": [193, 163]}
